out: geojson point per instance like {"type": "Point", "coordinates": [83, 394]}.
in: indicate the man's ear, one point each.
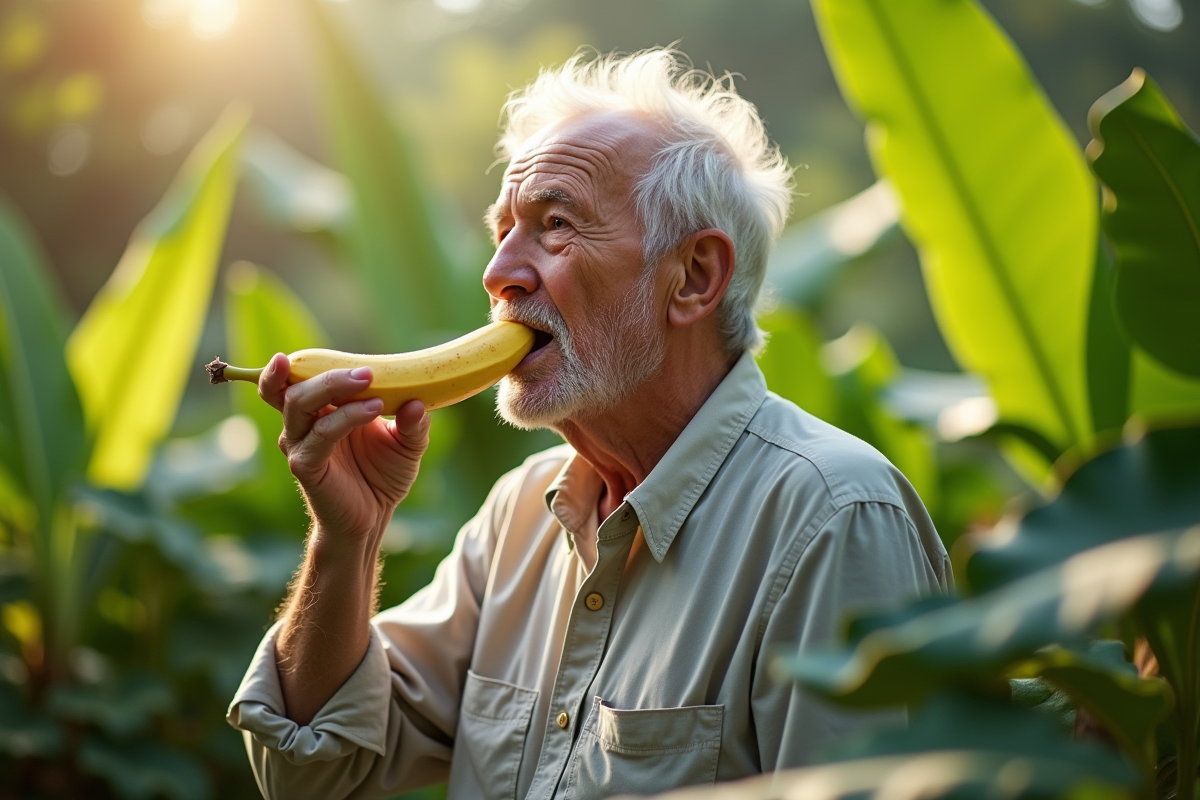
{"type": "Point", "coordinates": [705, 265]}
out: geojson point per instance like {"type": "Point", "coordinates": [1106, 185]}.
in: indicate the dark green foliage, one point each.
{"type": "Point", "coordinates": [1149, 163]}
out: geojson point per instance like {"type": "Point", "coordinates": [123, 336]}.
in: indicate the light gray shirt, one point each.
{"type": "Point", "coordinates": [555, 657]}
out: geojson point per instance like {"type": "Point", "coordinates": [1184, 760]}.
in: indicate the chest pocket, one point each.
{"type": "Point", "coordinates": [645, 751]}
{"type": "Point", "coordinates": [492, 723]}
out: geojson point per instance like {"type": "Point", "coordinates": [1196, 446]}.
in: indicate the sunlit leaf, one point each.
{"type": "Point", "coordinates": [1149, 163]}
{"type": "Point", "coordinates": [408, 278]}
{"type": "Point", "coordinates": [39, 407]}
{"type": "Point", "coordinates": [134, 349]}
{"type": "Point", "coordinates": [981, 163]}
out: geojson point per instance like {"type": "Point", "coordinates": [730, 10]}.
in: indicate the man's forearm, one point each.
{"type": "Point", "coordinates": [325, 629]}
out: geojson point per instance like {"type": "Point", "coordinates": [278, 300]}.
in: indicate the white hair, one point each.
{"type": "Point", "coordinates": [714, 168]}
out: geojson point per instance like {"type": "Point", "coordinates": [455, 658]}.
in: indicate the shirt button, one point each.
{"type": "Point", "coordinates": [594, 601]}
{"type": "Point", "coordinates": [563, 720]}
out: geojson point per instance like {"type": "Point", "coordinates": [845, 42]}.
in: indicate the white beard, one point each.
{"type": "Point", "coordinates": [608, 356]}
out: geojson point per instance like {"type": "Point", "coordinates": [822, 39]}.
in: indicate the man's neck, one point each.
{"type": "Point", "coordinates": [626, 442]}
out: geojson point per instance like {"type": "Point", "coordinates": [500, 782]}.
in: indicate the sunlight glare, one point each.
{"type": "Point", "coordinates": [212, 19]}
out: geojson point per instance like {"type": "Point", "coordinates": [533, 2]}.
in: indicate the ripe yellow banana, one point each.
{"type": "Point", "coordinates": [439, 376]}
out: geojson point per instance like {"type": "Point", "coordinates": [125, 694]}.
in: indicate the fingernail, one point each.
{"type": "Point", "coordinates": [361, 373]}
{"type": "Point", "coordinates": [374, 405]}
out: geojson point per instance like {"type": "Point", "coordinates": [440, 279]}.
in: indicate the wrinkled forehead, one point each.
{"type": "Point", "coordinates": [598, 151]}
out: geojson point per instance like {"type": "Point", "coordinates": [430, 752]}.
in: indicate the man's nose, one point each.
{"type": "Point", "coordinates": [510, 274]}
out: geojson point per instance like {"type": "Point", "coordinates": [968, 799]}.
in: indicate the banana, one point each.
{"type": "Point", "coordinates": [438, 376]}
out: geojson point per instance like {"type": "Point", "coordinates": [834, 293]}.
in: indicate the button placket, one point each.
{"type": "Point", "coordinates": [583, 644]}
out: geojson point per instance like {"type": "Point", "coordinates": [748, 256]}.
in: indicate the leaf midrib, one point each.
{"type": "Point", "coordinates": [992, 254]}
{"type": "Point", "coordinates": [1172, 187]}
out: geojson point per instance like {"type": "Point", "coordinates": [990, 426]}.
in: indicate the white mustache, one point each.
{"type": "Point", "coordinates": [534, 313]}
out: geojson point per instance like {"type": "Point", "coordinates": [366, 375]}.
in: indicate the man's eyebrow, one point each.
{"type": "Point", "coordinates": [539, 196]}
{"type": "Point", "coordinates": [496, 212]}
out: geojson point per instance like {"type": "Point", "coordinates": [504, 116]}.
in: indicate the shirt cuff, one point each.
{"type": "Point", "coordinates": [354, 718]}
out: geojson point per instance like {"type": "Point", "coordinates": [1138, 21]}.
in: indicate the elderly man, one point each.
{"type": "Point", "coordinates": [606, 622]}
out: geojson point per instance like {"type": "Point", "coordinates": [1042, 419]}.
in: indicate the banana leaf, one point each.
{"type": "Point", "coordinates": [1109, 355]}
{"type": "Point", "coordinates": [938, 769]}
{"type": "Point", "coordinates": [408, 277]}
{"type": "Point", "coordinates": [981, 723]}
{"type": "Point", "coordinates": [1147, 485]}
{"type": "Point", "coordinates": [994, 192]}
{"type": "Point", "coordinates": [44, 441]}
{"type": "Point", "coordinates": [263, 317]}
{"type": "Point", "coordinates": [134, 349]}
{"type": "Point", "coordinates": [1099, 679]}
{"type": "Point", "coordinates": [935, 645]}
{"type": "Point", "coordinates": [1149, 163]}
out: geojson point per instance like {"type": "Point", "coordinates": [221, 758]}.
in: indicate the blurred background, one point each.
{"type": "Point", "coordinates": [101, 102]}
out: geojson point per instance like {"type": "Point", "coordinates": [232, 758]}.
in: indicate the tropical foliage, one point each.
{"type": "Point", "coordinates": [137, 571]}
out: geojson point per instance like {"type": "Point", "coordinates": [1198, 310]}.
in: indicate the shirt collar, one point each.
{"type": "Point", "coordinates": [665, 498]}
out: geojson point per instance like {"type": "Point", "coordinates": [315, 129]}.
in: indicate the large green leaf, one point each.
{"type": "Point", "coordinates": [263, 317]}
{"type": "Point", "coordinates": [974, 642]}
{"type": "Point", "coordinates": [134, 349]}
{"type": "Point", "coordinates": [981, 723]}
{"type": "Point", "coordinates": [1109, 355]}
{"type": "Point", "coordinates": [1149, 163]}
{"type": "Point", "coordinates": [408, 277]}
{"type": "Point", "coordinates": [1102, 681]}
{"type": "Point", "coordinates": [994, 190]}
{"type": "Point", "coordinates": [1147, 485]}
{"type": "Point", "coordinates": [962, 747]}
{"type": "Point", "coordinates": [45, 443]}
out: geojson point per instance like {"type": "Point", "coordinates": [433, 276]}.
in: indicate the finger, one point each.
{"type": "Point", "coordinates": [303, 401]}
{"type": "Point", "coordinates": [273, 381]}
{"type": "Point", "coordinates": [314, 451]}
{"type": "Point", "coordinates": [411, 426]}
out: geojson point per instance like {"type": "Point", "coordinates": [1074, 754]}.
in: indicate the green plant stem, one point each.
{"type": "Point", "coordinates": [243, 374]}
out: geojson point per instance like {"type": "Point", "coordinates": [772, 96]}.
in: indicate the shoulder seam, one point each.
{"type": "Point", "coordinates": [796, 549]}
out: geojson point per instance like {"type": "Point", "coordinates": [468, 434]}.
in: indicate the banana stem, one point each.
{"type": "Point", "coordinates": [220, 372]}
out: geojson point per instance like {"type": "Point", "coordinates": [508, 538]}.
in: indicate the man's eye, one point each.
{"type": "Point", "coordinates": [557, 223]}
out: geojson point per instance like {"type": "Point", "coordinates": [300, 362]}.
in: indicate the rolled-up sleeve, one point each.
{"type": "Point", "coordinates": [867, 556]}
{"type": "Point", "coordinates": [390, 727]}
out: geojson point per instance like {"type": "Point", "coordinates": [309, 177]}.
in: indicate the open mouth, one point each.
{"type": "Point", "coordinates": [540, 340]}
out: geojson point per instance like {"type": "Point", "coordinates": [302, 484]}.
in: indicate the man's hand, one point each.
{"type": "Point", "coordinates": [354, 468]}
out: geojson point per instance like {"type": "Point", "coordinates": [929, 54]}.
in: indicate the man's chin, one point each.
{"type": "Point", "coordinates": [523, 406]}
